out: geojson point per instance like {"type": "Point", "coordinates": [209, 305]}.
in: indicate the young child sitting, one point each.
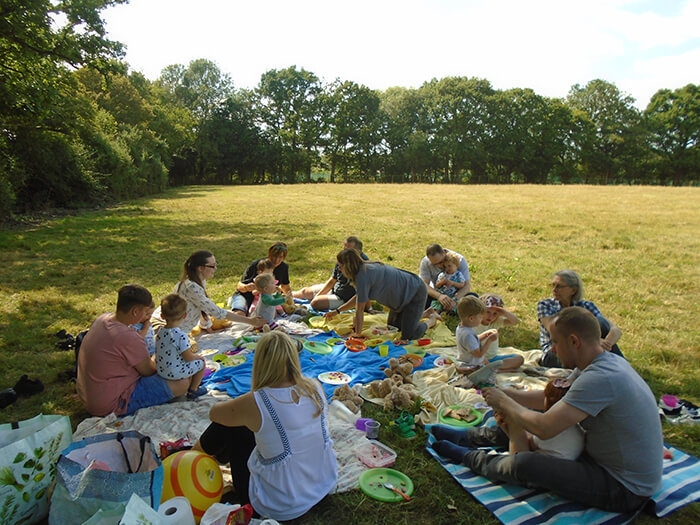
{"type": "Point", "coordinates": [269, 300]}
{"type": "Point", "coordinates": [174, 359]}
{"type": "Point", "coordinates": [496, 317]}
{"type": "Point", "coordinates": [450, 280]}
{"type": "Point", "coordinates": [568, 444]}
{"type": "Point", "coordinates": [145, 330]}
{"type": "Point", "coordinates": [471, 348]}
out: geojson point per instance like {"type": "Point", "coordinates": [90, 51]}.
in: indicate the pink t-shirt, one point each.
{"type": "Point", "coordinates": [106, 373]}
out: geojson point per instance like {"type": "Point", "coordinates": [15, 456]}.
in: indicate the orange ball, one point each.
{"type": "Point", "coordinates": [194, 475]}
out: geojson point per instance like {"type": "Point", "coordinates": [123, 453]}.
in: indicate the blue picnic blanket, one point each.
{"type": "Point", "coordinates": [362, 367]}
{"type": "Point", "coordinates": [522, 505]}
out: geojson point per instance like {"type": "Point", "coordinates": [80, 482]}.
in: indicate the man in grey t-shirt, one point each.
{"type": "Point", "coordinates": [430, 267]}
{"type": "Point", "coordinates": [621, 466]}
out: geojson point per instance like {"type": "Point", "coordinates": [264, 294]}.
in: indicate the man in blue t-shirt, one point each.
{"type": "Point", "coordinates": [621, 465]}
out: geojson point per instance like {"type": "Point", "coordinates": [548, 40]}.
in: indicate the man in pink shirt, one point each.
{"type": "Point", "coordinates": [115, 372]}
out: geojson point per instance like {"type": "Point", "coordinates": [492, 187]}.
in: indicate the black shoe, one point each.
{"type": "Point", "coordinates": [66, 343]}
{"type": "Point", "coordinates": [28, 387]}
{"type": "Point", "coordinates": [7, 397]}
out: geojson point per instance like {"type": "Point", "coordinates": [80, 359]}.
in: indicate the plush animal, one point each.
{"type": "Point", "coordinates": [349, 397]}
{"type": "Point", "coordinates": [380, 387]}
{"type": "Point", "coordinates": [404, 370]}
{"type": "Point", "coordinates": [400, 397]}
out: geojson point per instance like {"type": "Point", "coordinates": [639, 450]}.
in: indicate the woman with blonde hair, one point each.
{"type": "Point", "coordinates": [276, 436]}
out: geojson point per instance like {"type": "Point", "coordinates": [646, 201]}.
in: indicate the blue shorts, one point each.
{"type": "Point", "coordinates": [239, 303]}
{"type": "Point", "coordinates": [500, 357]}
{"type": "Point", "coordinates": [150, 391]}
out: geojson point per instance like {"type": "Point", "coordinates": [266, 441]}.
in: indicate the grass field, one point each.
{"type": "Point", "coordinates": [636, 248]}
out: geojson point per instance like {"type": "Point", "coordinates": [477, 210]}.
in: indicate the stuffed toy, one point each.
{"type": "Point", "coordinates": [349, 397]}
{"type": "Point", "coordinates": [400, 397]}
{"type": "Point", "coordinates": [380, 387]}
{"type": "Point", "coordinates": [403, 370]}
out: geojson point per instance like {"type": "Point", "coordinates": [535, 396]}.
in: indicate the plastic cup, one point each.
{"type": "Point", "coordinates": [372, 429]}
{"type": "Point", "coordinates": [383, 350]}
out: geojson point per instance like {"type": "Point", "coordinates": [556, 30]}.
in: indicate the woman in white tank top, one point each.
{"type": "Point", "coordinates": [276, 436]}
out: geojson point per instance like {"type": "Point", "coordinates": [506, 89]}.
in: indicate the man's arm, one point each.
{"type": "Point", "coordinates": [544, 425]}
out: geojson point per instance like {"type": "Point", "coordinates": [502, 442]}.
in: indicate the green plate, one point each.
{"type": "Point", "coordinates": [372, 483]}
{"type": "Point", "coordinates": [229, 360]}
{"type": "Point", "coordinates": [458, 422]}
{"type": "Point", "coordinates": [318, 348]}
{"type": "Point", "coordinates": [334, 340]}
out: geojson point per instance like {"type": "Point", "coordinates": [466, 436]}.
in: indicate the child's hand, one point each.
{"type": "Point", "coordinates": [440, 283]}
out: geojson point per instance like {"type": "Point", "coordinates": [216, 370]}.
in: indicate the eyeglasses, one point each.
{"type": "Point", "coordinates": [559, 286]}
{"type": "Point", "coordinates": [213, 266]}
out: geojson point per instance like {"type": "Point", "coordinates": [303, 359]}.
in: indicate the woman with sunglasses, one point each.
{"type": "Point", "coordinates": [198, 268]}
{"type": "Point", "coordinates": [567, 290]}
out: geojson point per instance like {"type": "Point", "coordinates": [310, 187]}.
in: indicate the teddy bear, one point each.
{"type": "Point", "coordinates": [290, 307]}
{"type": "Point", "coordinates": [400, 397]}
{"type": "Point", "coordinates": [403, 370]}
{"type": "Point", "coordinates": [380, 387]}
{"type": "Point", "coordinates": [349, 397]}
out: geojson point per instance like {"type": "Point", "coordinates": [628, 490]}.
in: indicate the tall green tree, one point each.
{"type": "Point", "coordinates": [615, 123]}
{"type": "Point", "coordinates": [288, 106]}
{"type": "Point", "coordinates": [41, 41]}
{"type": "Point", "coordinates": [673, 122]}
{"type": "Point", "coordinates": [353, 129]}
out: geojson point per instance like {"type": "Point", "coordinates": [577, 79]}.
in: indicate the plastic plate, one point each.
{"type": "Point", "coordinates": [372, 483]}
{"type": "Point", "coordinates": [334, 378]}
{"type": "Point", "coordinates": [229, 360]}
{"type": "Point", "coordinates": [459, 422]}
{"type": "Point", "coordinates": [334, 340]}
{"type": "Point", "coordinates": [414, 359]}
{"type": "Point", "coordinates": [355, 345]}
{"type": "Point", "coordinates": [444, 361]}
{"type": "Point", "coordinates": [318, 347]}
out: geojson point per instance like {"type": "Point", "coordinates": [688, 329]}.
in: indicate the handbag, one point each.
{"type": "Point", "coordinates": [101, 473]}
{"type": "Point", "coordinates": [28, 454]}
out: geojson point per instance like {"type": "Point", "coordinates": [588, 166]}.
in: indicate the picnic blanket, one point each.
{"type": "Point", "coordinates": [173, 421]}
{"type": "Point", "coordinates": [513, 504]}
{"type": "Point", "coordinates": [362, 367]}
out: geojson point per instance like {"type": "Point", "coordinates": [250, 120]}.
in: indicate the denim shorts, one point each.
{"type": "Point", "coordinates": [239, 303]}
{"type": "Point", "coordinates": [150, 391]}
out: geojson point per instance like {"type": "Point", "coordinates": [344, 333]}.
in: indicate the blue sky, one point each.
{"type": "Point", "coordinates": [546, 45]}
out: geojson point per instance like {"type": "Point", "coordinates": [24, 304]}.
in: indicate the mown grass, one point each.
{"type": "Point", "coordinates": [636, 249]}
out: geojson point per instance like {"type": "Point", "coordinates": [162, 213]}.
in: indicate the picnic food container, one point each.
{"type": "Point", "coordinates": [375, 454]}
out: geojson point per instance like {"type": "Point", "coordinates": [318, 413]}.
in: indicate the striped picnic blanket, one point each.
{"type": "Point", "coordinates": [512, 504]}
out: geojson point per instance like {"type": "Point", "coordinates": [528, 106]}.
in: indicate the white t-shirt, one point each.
{"type": "Point", "coordinates": [467, 342]}
{"type": "Point", "coordinates": [568, 444]}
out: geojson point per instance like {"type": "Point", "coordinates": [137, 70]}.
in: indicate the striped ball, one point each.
{"type": "Point", "coordinates": [194, 475]}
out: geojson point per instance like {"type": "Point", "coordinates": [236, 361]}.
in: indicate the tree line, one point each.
{"type": "Point", "coordinates": [78, 128]}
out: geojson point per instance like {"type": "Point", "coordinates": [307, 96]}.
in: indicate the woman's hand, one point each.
{"type": "Point", "coordinates": [257, 321]}
{"type": "Point", "coordinates": [606, 345]}
{"type": "Point", "coordinates": [330, 315]}
{"type": "Point", "coordinates": [250, 287]}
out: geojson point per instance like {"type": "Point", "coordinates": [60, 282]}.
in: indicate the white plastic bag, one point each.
{"type": "Point", "coordinates": [28, 454]}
